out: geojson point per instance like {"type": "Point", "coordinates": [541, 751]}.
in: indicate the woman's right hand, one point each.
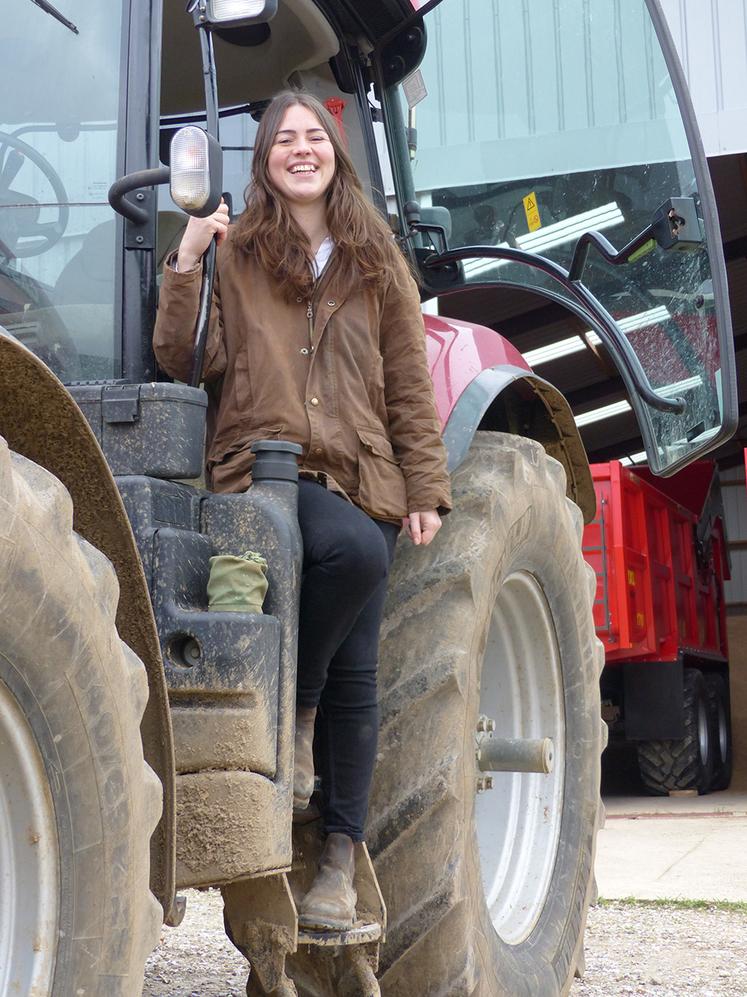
{"type": "Point", "coordinates": [198, 235]}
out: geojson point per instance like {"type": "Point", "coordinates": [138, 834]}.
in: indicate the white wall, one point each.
{"type": "Point", "coordinates": [711, 38]}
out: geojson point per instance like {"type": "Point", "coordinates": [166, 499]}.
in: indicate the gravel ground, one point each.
{"type": "Point", "coordinates": [631, 948]}
{"type": "Point", "coordinates": [664, 951]}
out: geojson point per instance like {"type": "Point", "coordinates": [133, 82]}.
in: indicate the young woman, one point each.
{"type": "Point", "coordinates": [316, 336]}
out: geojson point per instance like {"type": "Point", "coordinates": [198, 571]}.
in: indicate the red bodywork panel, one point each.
{"type": "Point", "coordinates": [457, 352]}
{"type": "Point", "coordinates": [654, 598]}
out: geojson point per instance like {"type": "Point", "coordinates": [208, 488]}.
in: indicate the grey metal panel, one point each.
{"type": "Point", "coordinates": [711, 38]}
{"type": "Point", "coordinates": [735, 513]}
{"type": "Point", "coordinates": [519, 71]}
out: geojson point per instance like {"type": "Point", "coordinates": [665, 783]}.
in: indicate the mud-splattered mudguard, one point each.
{"type": "Point", "coordinates": [40, 420]}
{"type": "Point", "coordinates": [534, 408]}
{"type": "Point", "coordinates": [481, 381]}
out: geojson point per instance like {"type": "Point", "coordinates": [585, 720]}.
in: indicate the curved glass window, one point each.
{"type": "Point", "coordinates": [544, 121]}
{"type": "Point", "coordinates": [58, 153]}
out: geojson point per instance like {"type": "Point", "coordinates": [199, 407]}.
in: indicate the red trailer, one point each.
{"type": "Point", "coordinates": [658, 549]}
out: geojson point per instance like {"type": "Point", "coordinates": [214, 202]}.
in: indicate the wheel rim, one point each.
{"type": "Point", "coordinates": [518, 820]}
{"type": "Point", "coordinates": [703, 732]}
{"type": "Point", "coordinates": [29, 875]}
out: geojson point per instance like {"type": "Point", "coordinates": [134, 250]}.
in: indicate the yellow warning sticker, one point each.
{"type": "Point", "coordinates": [532, 212]}
{"type": "Point", "coordinates": [640, 619]}
{"type": "Point", "coordinates": [631, 578]}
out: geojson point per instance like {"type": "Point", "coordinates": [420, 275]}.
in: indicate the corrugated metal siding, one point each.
{"type": "Point", "coordinates": [528, 88]}
{"type": "Point", "coordinates": [734, 492]}
{"type": "Point", "coordinates": [711, 38]}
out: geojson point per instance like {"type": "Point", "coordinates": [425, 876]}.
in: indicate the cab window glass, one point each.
{"type": "Point", "coordinates": [557, 119]}
{"type": "Point", "coordinates": [58, 154]}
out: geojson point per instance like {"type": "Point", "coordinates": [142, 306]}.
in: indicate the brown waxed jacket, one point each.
{"type": "Point", "coordinates": [344, 376]}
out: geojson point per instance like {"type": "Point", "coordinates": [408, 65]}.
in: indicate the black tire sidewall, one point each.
{"type": "Point", "coordinates": [82, 694]}
{"type": "Point", "coordinates": [718, 696]}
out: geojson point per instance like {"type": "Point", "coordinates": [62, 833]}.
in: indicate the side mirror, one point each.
{"type": "Point", "coordinates": [196, 171]}
{"type": "Point", "coordinates": [195, 178]}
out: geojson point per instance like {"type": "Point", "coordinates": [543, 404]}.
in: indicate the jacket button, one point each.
{"type": "Point", "coordinates": [318, 450]}
{"type": "Point", "coordinates": [331, 304]}
{"type": "Point", "coordinates": [314, 401]}
{"type": "Point", "coordinates": [299, 300]}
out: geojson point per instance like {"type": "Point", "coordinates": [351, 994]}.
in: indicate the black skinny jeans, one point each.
{"type": "Point", "coordinates": [346, 561]}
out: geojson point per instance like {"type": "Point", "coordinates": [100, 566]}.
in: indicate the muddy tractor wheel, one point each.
{"type": "Point", "coordinates": [685, 762]}
{"type": "Point", "coordinates": [77, 801]}
{"type": "Point", "coordinates": [488, 875]}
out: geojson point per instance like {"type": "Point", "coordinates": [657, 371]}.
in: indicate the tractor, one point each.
{"type": "Point", "coordinates": [146, 741]}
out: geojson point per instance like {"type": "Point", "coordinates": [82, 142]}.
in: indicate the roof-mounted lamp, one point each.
{"type": "Point", "coordinates": [232, 13]}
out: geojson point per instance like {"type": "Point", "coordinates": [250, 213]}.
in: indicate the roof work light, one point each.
{"type": "Point", "coordinates": [232, 13]}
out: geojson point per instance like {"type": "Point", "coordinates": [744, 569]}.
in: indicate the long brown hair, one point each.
{"type": "Point", "coordinates": [365, 250]}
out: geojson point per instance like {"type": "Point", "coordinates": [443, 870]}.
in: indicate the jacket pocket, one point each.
{"type": "Point", "coordinates": [230, 471]}
{"type": "Point", "coordinates": [381, 484]}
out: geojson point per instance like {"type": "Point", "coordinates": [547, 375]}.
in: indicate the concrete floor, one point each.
{"type": "Point", "coordinates": [683, 848]}
{"type": "Point", "coordinates": [659, 847]}
{"type": "Point", "coordinates": [691, 848]}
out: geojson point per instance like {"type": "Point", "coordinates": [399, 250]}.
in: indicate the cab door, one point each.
{"type": "Point", "coordinates": [558, 144]}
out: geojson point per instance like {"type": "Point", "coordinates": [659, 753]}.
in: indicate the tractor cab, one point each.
{"type": "Point", "coordinates": [584, 182]}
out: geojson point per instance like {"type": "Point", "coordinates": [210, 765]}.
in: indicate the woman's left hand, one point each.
{"type": "Point", "coordinates": [422, 527]}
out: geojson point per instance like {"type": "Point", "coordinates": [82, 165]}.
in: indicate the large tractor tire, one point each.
{"type": "Point", "coordinates": [718, 702]}
{"type": "Point", "coordinates": [77, 802]}
{"type": "Point", "coordinates": [487, 892]}
{"type": "Point", "coordinates": [685, 762]}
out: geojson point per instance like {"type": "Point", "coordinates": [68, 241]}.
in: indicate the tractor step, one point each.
{"type": "Point", "coordinates": [360, 934]}
{"type": "Point", "coordinates": [262, 922]}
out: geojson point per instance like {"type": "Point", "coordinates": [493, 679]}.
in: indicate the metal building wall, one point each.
{"type": "Point", "coordinates": [711, 38]}
{"type": "Point", "coordinates": [734, 492]}
{"type": "Point", "coordinates": [542, 89]}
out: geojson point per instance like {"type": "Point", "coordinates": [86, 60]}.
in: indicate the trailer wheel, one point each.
{"type": "Point", "coordinates": [718, 702]}
{"type": "Point", "coordinates": [487, 893]}
{"type": "Point", "coordinates": [686, 762]}
{"type": "Point", "coordinates": [77, 802]}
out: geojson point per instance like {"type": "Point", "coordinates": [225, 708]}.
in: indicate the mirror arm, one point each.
{"type": "Point", "coordinates": [141, 178]}
{"type": "Point", "coordinates": [628, 363]}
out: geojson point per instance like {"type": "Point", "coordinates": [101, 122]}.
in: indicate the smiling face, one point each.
{"type": "Point", "coordinates": [301, 163]}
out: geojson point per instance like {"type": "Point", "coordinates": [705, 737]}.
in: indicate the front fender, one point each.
{"type": "Point", "coordinates": [481, 381]}
{"type": "Point", "coordinates": [512, 399]}
{"type": "Point", "coordinates": [40, 420]}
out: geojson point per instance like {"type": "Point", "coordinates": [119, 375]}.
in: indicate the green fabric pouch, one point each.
{"type": "Point", "coordinates": [237, 584]}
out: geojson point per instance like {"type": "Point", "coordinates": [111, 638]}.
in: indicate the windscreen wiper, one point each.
{"type": "Point", "coordinates": [47, 7]}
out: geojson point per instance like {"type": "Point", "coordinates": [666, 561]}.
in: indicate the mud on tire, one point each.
{"type": "Point", "coordinates": [512, 531]}
{"type": "Point", "coordinates": [81, 918]}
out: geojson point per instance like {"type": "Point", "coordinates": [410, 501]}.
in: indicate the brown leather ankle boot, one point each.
{"type": "Point", "coordinates": [330, 903]}
{"type": "Point", "coordinates": [303, 764]}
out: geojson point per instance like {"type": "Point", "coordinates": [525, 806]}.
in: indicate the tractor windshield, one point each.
{"type": "Point", "coordinates": [531, 124]}
{"type": "Point", "coordinates": [58, 156]}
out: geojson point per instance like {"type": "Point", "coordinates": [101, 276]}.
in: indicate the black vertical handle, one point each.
{"type": "Point", "coordinates": [203, 314]}
{"type": "Point", "coordinates": [206, 295]}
